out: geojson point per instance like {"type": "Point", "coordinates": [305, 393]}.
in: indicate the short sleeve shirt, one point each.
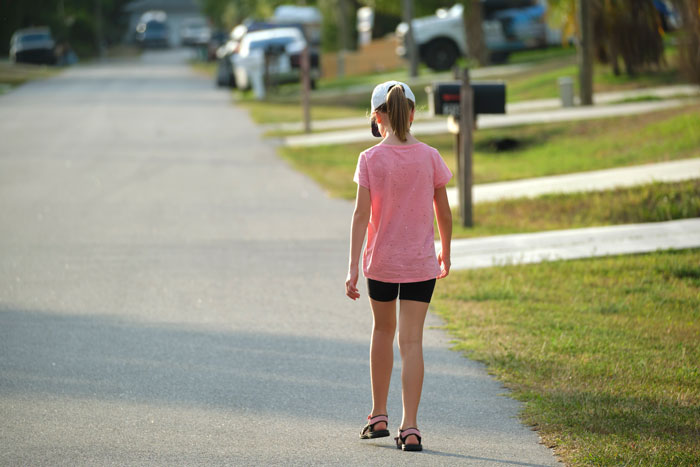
{"type": "Point", "coordinates": [400, 235]}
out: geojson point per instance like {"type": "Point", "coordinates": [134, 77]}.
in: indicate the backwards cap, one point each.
{"type": "Point", "coordinates": [382, 90]}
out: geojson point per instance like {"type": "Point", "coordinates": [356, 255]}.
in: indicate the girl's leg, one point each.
{"type": "Point", "coordinates": [411, 318]}
{"type": "Point", "coordinates": [381, 354]}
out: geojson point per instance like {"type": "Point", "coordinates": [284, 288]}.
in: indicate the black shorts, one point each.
{"type": "Point", "coordinates": [388, 291]}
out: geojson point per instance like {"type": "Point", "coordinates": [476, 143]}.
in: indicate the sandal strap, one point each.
{"type": "Point", "coordinates": [371, 421]}
{"type": "Point", "coordinates": [376, 419]}
{"type": "Point", "coordinates": [403, 434]}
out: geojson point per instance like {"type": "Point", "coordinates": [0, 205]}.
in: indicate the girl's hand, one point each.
{"type": "Point", "coordinates": [444, 263]}
{"type": "Point", "coordinates": [351, 283]}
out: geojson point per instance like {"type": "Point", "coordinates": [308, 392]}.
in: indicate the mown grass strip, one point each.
{"type": "Point", "coordinates": [13, 74]}
{"type": "Point", "coordinates": [539, 150]}
{"type": "Point", "coordinates": [604, 352]}
{"type": "Point", "coordinates": [655, 202]}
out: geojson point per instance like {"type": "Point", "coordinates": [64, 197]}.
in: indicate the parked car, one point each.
{"type": "Point", "coordinates": [217, 39]}
{"type": "Point", "coordinates": [274, 52]}
{"type": "Point", "coordinates": [33, 45]}
{"type": "Point", "coordinates": [224, 57]}
{"type": "Point", "coordinates": [152, 30]}
{"type": "Point", "coordinates": [195, 32]}
{"type": "Point", "coordinates": [508, 25]}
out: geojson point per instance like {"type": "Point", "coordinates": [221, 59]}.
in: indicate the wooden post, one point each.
{"type": "Point", "coordinates": [466, 126]}
{"type": "Point", "coordinates": [342, 35]}
{"type": "Point", "coordinates": [306, 88]}
{"type": "Point", "coordinates": [585, 52]}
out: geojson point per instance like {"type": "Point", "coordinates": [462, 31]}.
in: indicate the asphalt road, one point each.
{"type": "Point", "coordinates": [171, 293]}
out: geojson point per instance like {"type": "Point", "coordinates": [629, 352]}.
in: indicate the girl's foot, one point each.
{"type": "Point", "coordinates": [375, 428]}
{"type": "Point", "coordinates": [409, 439]}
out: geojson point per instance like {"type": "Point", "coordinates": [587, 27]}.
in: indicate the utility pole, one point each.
{"type": "Point", "coordinates": [410, 42]}
{"type": "Point", "coordinates": [585, 52]}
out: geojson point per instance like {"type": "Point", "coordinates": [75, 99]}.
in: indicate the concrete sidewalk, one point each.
{"type": "Point", "coordinates": [555, 245]}
{"type": "Point", "coordinates": [595, 180]}
{"type": "Point", "coordinates": [422, 128]}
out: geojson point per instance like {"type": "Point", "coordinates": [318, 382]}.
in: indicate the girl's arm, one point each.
{"type": "Point", "coordinates": [444, 222]}
{"type": "Point", "coordinates": [360, 219]}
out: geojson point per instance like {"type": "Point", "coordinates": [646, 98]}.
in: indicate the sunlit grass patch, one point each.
{"type": "Point", "coordinates": [541, 150]}
{"type": "Point", "coordinates": [603, 351]}
{"type": "Point", "coordinates": [14, 74]}
{"type": "Point", "coordinates": [653, 202]}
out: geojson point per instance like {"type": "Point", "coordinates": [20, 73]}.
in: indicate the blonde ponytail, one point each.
{"type": "Point", "coordinates": [398, 107]}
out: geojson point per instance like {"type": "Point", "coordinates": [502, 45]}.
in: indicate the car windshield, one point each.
{"type": "Point", "coordinates": [155, 26]}
{"type": "Point", "coordinates": [275, 41]}
{"type": "Point", "coordinates": [35, 38]}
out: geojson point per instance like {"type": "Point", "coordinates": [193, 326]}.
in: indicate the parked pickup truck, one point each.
{"type": "Point", "coordinates": [508, 25]}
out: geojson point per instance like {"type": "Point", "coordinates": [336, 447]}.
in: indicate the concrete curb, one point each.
{"type": "Point", "coordinates": [575, 243]}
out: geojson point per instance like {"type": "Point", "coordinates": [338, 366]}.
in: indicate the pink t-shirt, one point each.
{"type": "Point", "coordinates": [400, 236]}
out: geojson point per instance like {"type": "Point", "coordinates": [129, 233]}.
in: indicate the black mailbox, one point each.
{"type": "Point", "coordinates": [489, 98]}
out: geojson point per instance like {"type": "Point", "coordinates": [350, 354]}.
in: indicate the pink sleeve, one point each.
{"type": "Point", "coordinates": [361, 176]}
{"type": "Point", "coordinates": [442, 172]}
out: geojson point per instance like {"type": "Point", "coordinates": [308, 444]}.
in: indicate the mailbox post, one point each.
{"type": "Point", "coordinates": [466, 146]}
{"type": "Point", "coordinates": [462, 101]}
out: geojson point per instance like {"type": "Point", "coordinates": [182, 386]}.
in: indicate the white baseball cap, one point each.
{"type": "Point", "coordinates": [382, 90]}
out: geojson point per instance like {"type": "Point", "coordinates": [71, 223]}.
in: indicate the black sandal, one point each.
{"type": "Point", "coordinates": [401, 440]}
{"type": "Point", "coordinates": [368, 431]}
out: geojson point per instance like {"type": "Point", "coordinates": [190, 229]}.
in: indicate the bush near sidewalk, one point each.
{"type": "Point", "coordinates": [604, 352]}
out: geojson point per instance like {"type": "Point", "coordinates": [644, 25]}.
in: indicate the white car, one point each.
{"type": "Point", "coordinates": [508, 25]}
{"type": "Point", "coordinates": [195, 31]}
{"type": "Point", "coordinates": [276, 52]}
{"type": "Point", "coordinates": [33, 45]}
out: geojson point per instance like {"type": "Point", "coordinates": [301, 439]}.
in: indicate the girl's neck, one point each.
{"type": "Point", "coordinates": [393, 140]}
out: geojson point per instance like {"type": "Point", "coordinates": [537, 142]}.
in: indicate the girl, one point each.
{"type": "Point", "coordinates": [399, 181]}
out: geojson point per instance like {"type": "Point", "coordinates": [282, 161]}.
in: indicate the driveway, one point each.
{"type": "Point", "coordinates": [172, 293]}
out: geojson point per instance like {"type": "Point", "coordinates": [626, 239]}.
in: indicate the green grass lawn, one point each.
{"type": "Point", "coordinates": [603, 352]}
{"type": "Point", "coordinates": [206, 68]}
{"type": "Point", "coordinates": [654, 202]}
{"type": "Point", "coordinates": [543, 149]}
{"type": "Point", "coordinates": [336, 98]}
{"type": "Point", "coordinates": [12, 74]}
{"type": "Point", "coordinates": [269, 111]}
{"type": "Point", "coordinates": [541, 82]}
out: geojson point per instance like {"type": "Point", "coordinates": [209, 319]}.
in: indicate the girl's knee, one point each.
{"type": "Point", "coordinates": [409, 342]}
{"type": "Point", "coordinates": [387, 329]}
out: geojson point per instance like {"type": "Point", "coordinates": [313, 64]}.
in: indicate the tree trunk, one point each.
{"type": "Point", "coordinates": [474, 32]}
{"type": "Point", "coordinates": [689, 40]}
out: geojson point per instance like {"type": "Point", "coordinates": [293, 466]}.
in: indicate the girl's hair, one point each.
{"type": "Point", "coordinates": [398, 107]}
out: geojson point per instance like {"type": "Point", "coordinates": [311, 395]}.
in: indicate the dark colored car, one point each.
{"type": "Point", "coordinates": [153, 33]}
{"type": "Point", "coordinates": [34, 45]}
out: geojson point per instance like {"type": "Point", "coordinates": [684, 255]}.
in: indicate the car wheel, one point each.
{"type": "Point", "coordinates": [440, 54]}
